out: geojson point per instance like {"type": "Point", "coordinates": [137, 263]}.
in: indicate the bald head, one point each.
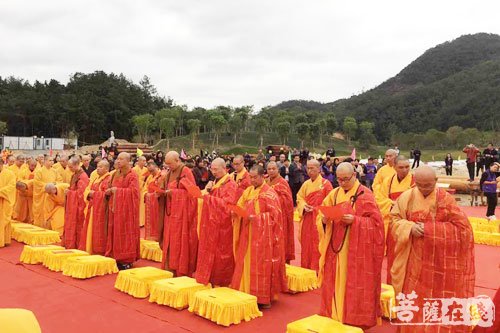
{"type": "Point", "coordinates": [218, 168]}
{"type": "Point", "coordinates": [74, 164]}
{"type": "Point", "coordinates": [32, 164]}
{"type": "Point", "coordinates": [141, 161]}
{"type": "Point", "coordinates": [345, 167]}
{"type": "Point", "coordinates": [313, 169]}
{"type": "Point", "coordinates": [402, 166]}
{"type": "Point", "coordinates": [273, 170]}
{"type": "Point", "coordinates": [173, 160]}
{"type": "Point", "coordinates": [63, 160]}
{"type": "Point", "coordinates": [102, 167]}
{"type": "Point", "coordinates": [11, 159]}
{"type": "Point", "coordinates": [425, 179]}
{"type": "Point", "coordinates": [51, 188]}
{"type": "Point", "coordinates": [238, 163]}
{"type": "Point", "coordinates": [390, 156]}
{"type": "Point", "coordinates": [346, 176]}
{"type": "Point", "coordinates": [123, 161]}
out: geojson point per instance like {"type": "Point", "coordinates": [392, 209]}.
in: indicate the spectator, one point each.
{"type": "Point", "coordinates": [416, 157]}
{"type": "Point", "coordinates": [281, 162]}
{"type": "Point", "coordinates": [479, 163]}
{"type": "Point", "coordinates": [330, 152]}
{"type": "Point", "coordinates": [371, 170]}
{"type": "Point", "coordinates": [448, 164]}
{"type": "Point", "coordinates": [296, 176]}
{"type": "Point", "coordinates": [489, 155]}
{"type": "Point", "coordinates": [489, 186]}
{"type": "Point", "coordinates": [260, 156]}
{"type": "Point", "coordinates": [327, 170]}
{"type": "Point", "coordinates": [201, 173]}
{"type": "Point", "coordinates": [285, 171]}
{"type": "Point", "coordinates": [159, 159]}
{"type": "Point", "coordinates": [471, 152]}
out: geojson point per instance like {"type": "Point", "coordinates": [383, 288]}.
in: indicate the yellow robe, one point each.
{"type": "Point", "coordinates": [383, 173]}
{"type": "Point", "coordinates": [7, 198]}
{"type": "Point", "coordinates": [54, 208]}
{"type": "Point", "coordinates": [43, 176]}
{"type": "Point", "coordinates": [93, 176]}
{"type": "Point", "coordinates": [16, 170]}
{"type": "Point", "coordinates": [142, 206]}
{"type": "Point", "coordinates": [384, 202]}
{"type": "Point", "coordinates": [250, 193]}
{"type": "Point", "coordinates": [96, 180]}
{"type": "Point", "coordinates": [307, 188]}
{"type": "Point", "coordinates": [23, 208]}
{"type": "Point", "coordinates": [141, 175]}
{"type": "Point", "coordinates": [325, 237]}
{"type": "Point", "coordinates": [65, 174]}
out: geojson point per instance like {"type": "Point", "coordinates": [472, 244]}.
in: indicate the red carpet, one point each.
{"type": "Point", "coordinates": [63, 304]}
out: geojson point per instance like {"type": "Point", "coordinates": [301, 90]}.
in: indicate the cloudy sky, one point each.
{"type": "Point", "coordinates": [231, 52]}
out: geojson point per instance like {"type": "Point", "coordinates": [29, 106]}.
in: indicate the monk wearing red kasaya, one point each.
{"type": "Point", "coordinates": [74, 213]}
{"type": "Point", "coordinates": [154, 202]}
{"type": "Point", "coordinates": [123, 214]}
{"type": "Point", "coordinates": [215, 249]}
{"type": "Point", "coordinates": [178, 234]}
{"type": "Point", "coordinates": [352, 250]}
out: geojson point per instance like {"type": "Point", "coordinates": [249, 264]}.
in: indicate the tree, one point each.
{"type": "Point", "coordinates": [321, 126]}
{"type": "Point", "coordinates": [235, 126]}
{"type": "Point", "coordinates": [219, 123]}
{"type": "Point", "coordinates": [302, 132]}
{"type": "Point", "coordinates": [366, 136]}
{"type": "Point", "coordinates": [142, 124]}
{"type": "Point", "coordinates": [3, 128]}
{"type": "Point", "coordinates": [167, 126]}
{"type": "Point", "coordinates": [331, 124]}
{"type": "Point", "coordinates": [453, 134]}
{"type": "Point", "coordinates": [261, 125]}
{"type": "Point", "coordinates": [283, 129]}
{"type": "Point", "coordinates": [350, 128]}
{"type": "Point", "coordinates": [194, 128]}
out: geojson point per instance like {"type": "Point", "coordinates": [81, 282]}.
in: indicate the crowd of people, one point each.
{"type": "Point", "coordinates": [229, 220]}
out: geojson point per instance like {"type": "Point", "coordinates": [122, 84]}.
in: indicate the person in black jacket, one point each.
{"type": "Point", "coordinates": [416, 157]}
{"type": "Point", "coordinates": [448, 164]}
{"type": "Point", "coordinates": [296, 177]}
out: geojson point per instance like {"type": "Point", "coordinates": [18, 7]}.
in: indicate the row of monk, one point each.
{"type": "Point", "coordinates": [239, 231]}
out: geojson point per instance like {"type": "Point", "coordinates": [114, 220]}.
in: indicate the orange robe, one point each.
{"type": "Point", "coordinates": [123, 238]}
{"type": "Point", "coordinates": [280, 185]}
{"type": "Point", "coordinates": [351, 259]}
{"type": "Point", "coordinates": [142, 175]}
{"type": "Point", "coordinates": [259, 256]}
{"type": "Point", "coordinates": [179, 239]}
{"type": "Point", "coordinates": [154, 204]}
{"type": "Point", "coordinates": [95, 228]}
{"type": "Point", "coordinates": [441, 263]}
{"type": "Point", "coordinates": [383, 173]}
{"type": "Point", "coordinates": [43, 176]}
{"type": "Point", "coordinates": [311, 193]}
{"type": "Point", "coordinates": [54, 209]}
{"type": "Point", "coordinates": [242, 179]}
{"type": "Point", "coordinates": [74, 214]}
{"type": "Point", "coordinates": [23, 209]}
{"type": "Point", "coordinates": [215, 249]}
{"type": "Point", "coordinates": [7, 198]}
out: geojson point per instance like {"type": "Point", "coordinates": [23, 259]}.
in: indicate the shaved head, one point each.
{"type": "Point", "coordinates": [74, 160]}
{"type": "Point", "coordinates": [219, 162]}
{"type": "Point", "coordinates": [345, 167]}
{"type": "Point", "coordinates": [402, 166]}
{"type": "Point", "coordinates": [218, 168]}
{"type": "Point", "coordinates": [102, 167]}
{"type": "Point", "coordinates": [345, 175]}
{"type": "Point", "coordinates": [238, 163]}
{"type": "Point", "coordinates": [313, 169]}
{"type": "Point", "coordinates": [273, 170]}
{"type": "Point", "coordinates": [172, 160]}
{"type": "Point", "coordinates": [425, 179]}
{"type": "Point", "coordinates": [51, 188]}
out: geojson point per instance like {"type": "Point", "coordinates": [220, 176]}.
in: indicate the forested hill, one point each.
{"type": "Point", "coordinates": [456, 83]}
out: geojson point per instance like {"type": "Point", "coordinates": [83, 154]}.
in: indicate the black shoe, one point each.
{"type": "Point", "coordinates": [123, 267]}
{"type": "Point", "coordinates": [265, 306]}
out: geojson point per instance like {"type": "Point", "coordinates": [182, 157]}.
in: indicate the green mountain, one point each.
{"type": "Point", "coordinates": [456, 83]}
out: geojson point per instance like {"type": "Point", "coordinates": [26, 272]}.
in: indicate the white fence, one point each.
{"type": "Point", "coordinates": [36, 143]}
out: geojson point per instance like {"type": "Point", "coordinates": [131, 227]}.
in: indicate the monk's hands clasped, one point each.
{"type": "Point", "coordinates": [417, 230]}
{"type": "Point", "coordinates": [347, 219]}
{"type": "Point", "coordinates": [308, 208]}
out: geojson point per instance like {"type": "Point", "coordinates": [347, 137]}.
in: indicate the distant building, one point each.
{"type": "Point", "coordinates": [36, 143]}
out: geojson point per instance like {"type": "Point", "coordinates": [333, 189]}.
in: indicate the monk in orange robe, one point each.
{"type": "Point", "coordinates": [386, 171]}
{"type": "Point", "coordinates": [280, 185]}
{"type": "Point", "coordinates": [154, 202]}
{"type": "Point", "coordinates": [123, 242]}
{"type": "Point", "coordinates": [434, 249]}
{"type": "Point", "coordinates": [259, 255]}
{"type": "Point", "coordinates": [54, 206]}
{"type": "Point", "coordinates": [63, 170]}
{"type": "Point", "coordinates": [43, 175]}
{"type": "Point", "coordinates": [141, 170]}
{"type": "Point", "coordinates": [352, 251]}
{"type": "Point", "coordinates": [215, 249]}
{"type": "Point", "coordinates": [240, 175]}
{"type": "Point", "coordinates": [18, 165]}
{"type": "Point", "coordinates": [7, 197]}
{"type": "Point", "coordinates": [23, 209]}
{"type": "Point", "coordinates": [74, 214]}
{"type": "Point", "coordinates": [309, 197]}
{"type": "Point", "coordinates": [95, 227]}
{"type": "Point", "coordinates": [178, 235]}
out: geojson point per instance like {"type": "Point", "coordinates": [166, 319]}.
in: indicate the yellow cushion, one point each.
{"type": "Point", "coordinates": [175, 292]}
{"type": "Point", "coordinates": [150, 250]}
{"type": "Point", "coordinates": [33, 254]}
{"type": "Point", "coordinates": [301, 279]}
{"type": "Point", "coordinates": [32, 236]}
{"type": "Point", "coordinates": [54, 259]}
{"type": "Point", "coordinates": [84, 267]}
{"type": "Point", "coordinates": [487, 238]}
{"type": "Point", "coordinates": [225, 306]}
{"type": "Point", "coordinates": [17, 228]}
{"type": "Point", "coordinates": [18, 321]}
{"type": "Point", "coordinates": [137, 281]}
{"type": "Point", "coordinates": [386, 295]}
{"type": "Point", "coordinates": [320, 324]}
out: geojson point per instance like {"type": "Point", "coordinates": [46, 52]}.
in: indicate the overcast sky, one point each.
{"type": "Point", "coordinates": [231, 52]}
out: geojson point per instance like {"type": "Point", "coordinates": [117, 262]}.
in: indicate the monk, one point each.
{"type": "Point", "coordinates": [215, 249]}
{"type": "Point", "coordinates": [240, 174]}
{"type": "Point", "coordinates": [123, 241]}
{"type": "Point", "coordinates": [352, 251]}
{"type": "Point", "coordinates": [386, 171]}
{"type": "Point", "coordinates": [259, 257]}
{"type": "Point", "coordinates": [23, 209]}
{"type": "Point", "coordinates": [280, 185]}
{"type": "Point", "coordinates": [54, 206]}
{"type": "Point", "coordinates": [43, 176]}
{"type": "Point", "coordinates": [74, 217]}
{"type": "Point", "coordinates": [142, 172]}
{"type": "Point", "coordinates": [7, 198]}
{"type": "Point", "coordinates": [434, 247]}
{"type": "Point", "coordinates": [154, 202]}
{"type": "Point", "coordinates": [40, 159]}
{"type": "Point", "coordinates": [18, 165]}
{"type": "Point", "coordinates": [178, 235]}
{"type": "Point", "coordinates": [95, 227]}
{"type": "Point", "coordinates": [63, 170]}
{"type": "Point", "coordinates": [310, 196]}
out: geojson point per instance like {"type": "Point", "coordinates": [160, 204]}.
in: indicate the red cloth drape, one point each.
{"type": "Point", "coordinates": [286, 202]}
{"type": "Point", "coordinates": [364, 265]}
{"type": "Point", "coordinates": [215, 249]}
{"type": "Point", "coordinates": [309, 237]}
{"type": "Point", "coordinates": [152, 210]}
{"type": "Point", "coordinates": [267, 258]}
{"type": "Point", "coordinates": [123, 241]}
{"type": "Point", "coordinates": [74, 213]}
{"type": "Point", "coordinates": [180, 239]}
{"type": "Point", "coordinates": [96, 209]}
